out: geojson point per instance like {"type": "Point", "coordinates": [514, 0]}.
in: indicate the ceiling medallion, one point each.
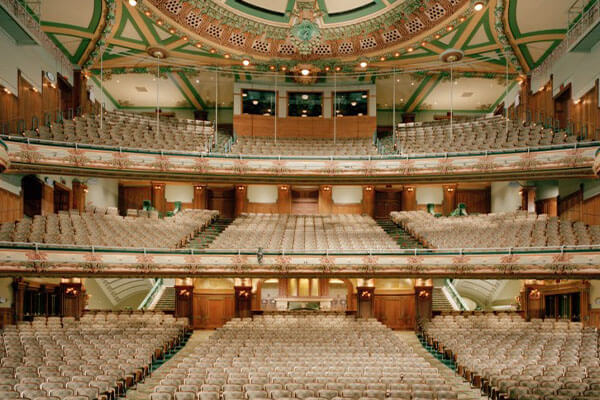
{"type": "Point", "coordinates": [452, 56]}
{"type": "Point", "coordinates": [157, 52]}
{"type": "Point", "coordinates": [305, 74]}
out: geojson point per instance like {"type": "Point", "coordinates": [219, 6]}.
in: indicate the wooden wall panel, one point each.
{"type": "Point", "coordinates": [449, 200]}
{"type": "Point", "coordinates": [133, 197]}
{"type": "Point", "coordinates": [586, 114]}
{"type": "Point", "coordinates": [11, 206]}
{"type": "Point", "coordinates": [547, 206]}
{"type": "Point", "coordinates": [325, 200]}
{"type": "Point", "coordinates": [409, 198]}
{"type": "Point", "coordinates": [47, 199]}
{"type": "Point", "coordinates": [284, 199]}
{"type": "Point", "coordinates": [347, 208]}
{"type": "Point", "coordinates": [386, 202]}
{"type": "Point", "coordinates": [264, 208]}
{"type": "Point", "coordinates": [241, 200]}
{"type": "Point", "coordinates": [477, 201]}
{"type": "Point", "coordinates": [221, 200]}
{"type": "Point", "coordinates": [397, 311]}
{"type": "Point", "coordinates": [159, 201]}
{"type": "Point", "coordinates": [313, 127]}
{"type": "Point", "coordinates": [368, 202]}
{"type": "Point", "coordinates": [30, 103]}
{"type": "Point", "coordinates": [212, 310]}
{"type": "Point", "coordinates": [571, 207]}
{"type": "Point", "coordinates": [6, 317]}
{"type": "Point", "coordinates": [594, 318]}
{"type": "Point", "coordinates": [200, 197]}
{"type": "Point", "coordinates": [79, 195]}
{"type": "Point", "coordinates": [591, 211]}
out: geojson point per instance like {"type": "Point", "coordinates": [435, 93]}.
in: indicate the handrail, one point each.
{"type": "Point", "coordinates": [158, 282]}
{"type": "Point", "coordinates": [404, 156]}
{"type": "Point", "coordinates": [331, 252]}
{"type": "Point", "coordinates": [455, 295]}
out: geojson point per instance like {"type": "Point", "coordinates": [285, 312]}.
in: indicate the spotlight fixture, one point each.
{"type": "Point", "coordinates": [364, 96]}
{"type": "Point", "coordinates": [423, 43]}
{"type": "Point", "coordinates": [185, 38]}
{"type": "Point", "coordinates": [304, 97]}
{"type": "Point", "coordinates": [363, 64]}
{"type": "Point", "coordinates": [172, 31]}
{"type": "Point", "coordinates": [255, 102]}
{"type": "Point", "coordinates": [305, 71]}
{"type": "Point", "coordinates": [227, 56]}
{"type": "Point", "coordinates": [159, 22]}
{"type": "Point", "coordinates": [198, 45]}
{"type": "Point", "coordinates": [382, 58]}
{"type": "Point", "coordinates": [272, 67]}
{"type": "Point", "coordinates": [213, 51]}
{"type": "Point", "coordinates": [338, 69]}
{"type": "Point", "coordinates": [7, 91]}
{"type": "Point", "coordinates": [147, 13]}
{"type": "Point", "coordinates": [244, 94]}
{"type": "Point", "coordinates": [437, 36]}
{"type": "Point", "coordinates": [283, 68]}
{"type": "Point", "coordinates": [353, 104]}
{"type": "Point", "coordinates": [449, 28]}
{"type": "Point", "coordinates": [133, 3]}
{"type": "Point", "coordinates": [396, 54]}
{"type": "Point", "coordinates": [327, 68]}
{"type": "Point", "coordinates": [410, 49]}
{"type": "Point", "coordinates": [245, 62]}
{"type": "Point", "coordinates": [478, 6]}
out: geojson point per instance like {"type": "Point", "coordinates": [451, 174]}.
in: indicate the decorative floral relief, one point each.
{"type": "Point", "coordinates": [121, 161]}
{"type": "Point", "coordinates": [279, 167]}
{"type": "Point", "coordinates": [282, 263]}
{"type": "Point", "coordinates": [327, 263]}
{"type": "Point", "coordinates": [240, 262]}
{"type": "Point", "coordinates": [163, 163]}
{"type": "Point", "coordinates": [240, 166]}
{"type": "Point", "coordinates": [202, 165]}
{"type": "Point", "coordinates": [77, 157]}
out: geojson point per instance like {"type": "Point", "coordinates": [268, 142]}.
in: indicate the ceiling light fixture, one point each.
{"type": "Point", "coordinates": [396, 54]}
{"type": "Point", "coordinates": [382, 58]}
{"type": "Point", "coordinates": [305, 71]}
{"type": "Point", "coordinates": [227, 56]}
{"type": "Point", "coordinates": [304, 97]}
{"type": "Point", "coordinates": [255, 102]}
{"type": "Point", "coordinates": [478, 6]}
{"type": "Point", "coordinates": [245, 62]}
{"type": "Point", "coordinates": [363, 64]}
{"type": "Point", "coordinates": [410, 49]}
{"type": "Point", "coordinates": [133, 3]}
{"type": "Point", "coordinates": [283, 68]}
{"type": "Point", "coordinates": [449, 28]}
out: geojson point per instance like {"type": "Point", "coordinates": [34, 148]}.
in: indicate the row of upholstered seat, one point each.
{"type": "Point", "coordinates": [523, 360]}
{"type": "Point", "coordinates": [108, 230]}
{"type": "Point", "coordinates": [230, 366]}
{"type": "Point", "coordinates": [303, 146]}
{"type": "Point", "coordinates": [517, 229]}
{"type": "Point", "coordinates": [65, 359]}
{"type": "Point", "coordinates": [291, 232]}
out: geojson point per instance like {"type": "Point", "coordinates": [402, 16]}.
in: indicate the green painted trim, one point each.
{"type": "Point", "coordinates": [108, 56]}
{"type": "Point", "coordinates": [191, 87]}
{"type": "Point", "coordinates": [458, 31]}
{"type": "Point", "coordinates": [501, 61]}
{"type": "Point", "coordinates": [152, 27]}
{"type": "Point", "coordinates": [108, 95]}
{"type": "Point", "coordinates": [527, 54]}
{"type": "Point", "coordinates": [514, 26]}
{"type": "Point", "coordinates": [259, 12]}
{"type": "Point", "coordinates": [416, 92]}
{"type": "Point", "coordinates": [437, 81]}
{"type": "Point", "coordinates": [356, 13]}
{"type": "Point", "coordinates": [485, 22]}
{"type": "Point", "coordinates": [126, 17]}
{"type": "Point", "coordinates": [92, 25]}
{"type": "Point", "coordinates": [408, 56]}
{"type": "Point", "coordinates": [74, 58]}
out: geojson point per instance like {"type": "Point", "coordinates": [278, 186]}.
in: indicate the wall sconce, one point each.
{"type": "Point", "coordinates": [71, 291]}
{"type": "Point", "coordinates": [424, 294]}
{"type": "Point", "coordinates": [410, 189]}
{"type": "Point", "coordinates": [240, 188]}
{"type": "Point", "coordinates": [157, 187]}
{"type": "Point", "coordinates": [283, 187]}
{"type": "Point", "coordinates": [326, 188]}
{"type": "Point", "coordinates": [535, 294]}
{"type": "Point", "coordinates": [450, 189]}
{"type": "Point", "coordinates": [369, 188]}
{"type": "Point", "coordinates": [85, 190]}
{"type": "Point", "coordinates": [365, 294]}
{"type": "Point", "coordinates": [244, 293]}
{"type": "Point", "coordinates": [184, 293]}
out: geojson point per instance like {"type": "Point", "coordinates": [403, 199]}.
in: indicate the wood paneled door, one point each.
{"type": "Point", "coordinates": [213, 310]}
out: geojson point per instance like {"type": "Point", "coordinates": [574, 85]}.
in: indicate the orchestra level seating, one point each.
{"type": "Point", "coordinates": [515, 229]}
{"type": "Point", "coordinates": [299, 232]}
{"type": "Point", "coordinates": [97, 357]}
{"type": "Point", "coordinates": [515, 359]}
{"type": "Point", "coordinates": [311, 356]}
{"type": "Point", "coordinates": [110, 229]}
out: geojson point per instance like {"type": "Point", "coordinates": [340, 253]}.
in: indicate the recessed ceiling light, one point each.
{"type": "Point", "coordinates": [245, 62]}
{"type": "Point", "coordinates": [133, 3]}
{"type": "Point", "coordinates": [283, 68]}
{"type": "Point", "coordinates": [197, 80]}
{"type": "Point", "coordinates": [226, 56]}
{"type": "Point", "coordinates": [305, 71]}
{"type": "Point", "coordinates": [382, 58]}
{"type": "Point", "coordinates": [410, 49]}
{"type": "Point", "coordinates": [478, 6]}
{"type": "Point", "coordinates": [396, 54]}
{"type": "Point", "coordinates": [304, 97]}
{"type": "Point", "coordinates": [363, 64]}
{"type": "Point", "coordinates": [449, 28]}
{"type": "Point", "coordinates": [353, 104]}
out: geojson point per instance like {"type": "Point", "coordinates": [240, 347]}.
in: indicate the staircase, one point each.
{"type": "Point", "coordinates": [404, 239]}
{"type": "Point", "coordinates": [203, 239]}
{"type": "Point", "coordinates": [439, 300]}
{"type": "Point", "coordinates": [166, 301]}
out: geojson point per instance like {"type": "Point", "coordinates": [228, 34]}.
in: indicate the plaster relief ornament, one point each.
{"type": "Point", "coordinates": [305, 34]}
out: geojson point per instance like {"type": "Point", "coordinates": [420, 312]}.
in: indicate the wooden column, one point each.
{"type": "Point", "coordinates": [47, 206]}
{"type": "Point", "coordinates": [158, 197]}
{"type": "Point", "coordinates": [241, 199]}
{"type": "Point", "coordinates": [79, 195]}
{"type": "Point", "coordinates": [184, 296]}
{"type": "Point", "coordinates": [528, 198]}
{"type": "Point", "coordinates": [365, 300]}
{"type": "Point", "coordinates": [449, 202]}
{"type": "Point", "coordinates": [200, 200]}
{"type": "Point", "coordinates": [368, 202]}
{"type": "Point", "coordinates": [283, 287]}
{"type": "Point", "coordinates": [325, 200]}
{"type": "Point", "coordinates": [243, 301]}
{"type": "Point", "coordinates": [423, 301]}
{"type": "Point", "coordinates": [409, 198]}
{"type": "Point", "coordinates": [284, 199]}
{"type": "Point", "coordinates": [19, 286]}
{"type": "Point", "coordinates": [71, 299]}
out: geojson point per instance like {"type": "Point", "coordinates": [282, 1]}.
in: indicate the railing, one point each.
{"type": "Point", "coordinates": [588, 16]}
{"type": "Point", "coordinates": [455, 295]}
{"type": "Point", "coordinates": [28, 20]}
{"type": "Point", "coordinates": [36, 247]}
{"type": "Point", "coordinates": [158, 282]}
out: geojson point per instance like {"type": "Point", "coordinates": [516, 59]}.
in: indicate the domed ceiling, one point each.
{"type": "Point", "coordinates": [326, 35]}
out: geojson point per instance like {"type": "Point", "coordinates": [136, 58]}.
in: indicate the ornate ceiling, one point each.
{"type": "Point", "coordinates": [327, 35]}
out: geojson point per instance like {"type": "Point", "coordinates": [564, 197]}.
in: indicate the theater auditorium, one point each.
{"type": "Point", "coordinates": [299, 200]}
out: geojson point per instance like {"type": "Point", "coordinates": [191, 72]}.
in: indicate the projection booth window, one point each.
{"type": "Point", "coordinates": [258, 102]}
{"type": "Point", "coordinates": [307, 104]}
{"type": "Point", "coordinates": [352, 103]}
